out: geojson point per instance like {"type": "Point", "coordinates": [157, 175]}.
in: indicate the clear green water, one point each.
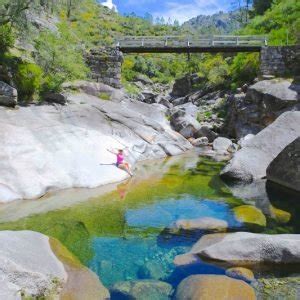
{"type": "Point", "coordinates": [121, 235]}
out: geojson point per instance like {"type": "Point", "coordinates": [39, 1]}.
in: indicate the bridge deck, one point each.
{"type": "Point", "coordinates": [199, 44]}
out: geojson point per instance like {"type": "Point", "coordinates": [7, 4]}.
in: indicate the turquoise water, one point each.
{"type": "Point", "coordinates": [123, 234]}
{"type": "Point", "coordinates": [151, 256]}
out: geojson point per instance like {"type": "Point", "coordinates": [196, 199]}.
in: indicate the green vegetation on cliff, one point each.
{"type": "Point", "coordinates": [54, 35]}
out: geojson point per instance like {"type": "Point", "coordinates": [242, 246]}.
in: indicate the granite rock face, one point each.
{"type": "Point", "coordinates": [285, 168]}
{"type": "Point", "coordinates": [251, 162]}
{"type": "Point", "coordinates": [264, 101]}
{"type": "Point", "coordinates": [48, 147]}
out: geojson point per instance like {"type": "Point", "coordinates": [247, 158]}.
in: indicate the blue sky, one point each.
{"type": "Point", "coordinates": [181, 10]}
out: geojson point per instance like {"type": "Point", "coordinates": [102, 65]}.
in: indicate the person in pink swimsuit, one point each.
{"type": "Point", "coordinates": [121, 163]}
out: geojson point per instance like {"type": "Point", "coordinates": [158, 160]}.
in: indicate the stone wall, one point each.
{"type": "Point", "coordinates": [106, 65]}
{"type": "Point", "coordinates": [280, 61]}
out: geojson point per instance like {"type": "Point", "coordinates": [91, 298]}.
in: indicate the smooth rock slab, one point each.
{"type": "Point", "coordinates": [243, 248]}
{"type": "Point", "coordinates": [46, 148]}
{"type": "Point", "coordinates": [285, 168]}
{"type": "Point", "coordinates": [142, 290]}
{"type": "Point", "coordinates": [214, 287]}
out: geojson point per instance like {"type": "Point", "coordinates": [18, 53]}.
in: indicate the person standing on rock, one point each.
{"type": "Point", "coordinates": [121, 163]}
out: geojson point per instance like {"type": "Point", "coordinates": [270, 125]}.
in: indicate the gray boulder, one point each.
{"type": "Point", "coordinates": [251, 162]}
{"type": "Point", "coordinates": [285, 168]}
{"type": "Point", "coordinates": [243, 248]}
{"type": "Point", "coordinates": [205, 131]}
{"type": "Point", "coordinates": [182, 86]}
{"type": "Point", "coordinates": [55, 98]}
{"type": "Point", "coordinates": [203, 141]}
{"type": "Point", "coordinates": [8, 95]}
{"type": "Point", "coordinates": [142, 290]}
{"type": "Point", "coordinates": [143, 79]}
{"type": "Point", "coordinates": [222, 144]}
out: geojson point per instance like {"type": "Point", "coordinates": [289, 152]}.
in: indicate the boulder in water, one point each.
{"type": "Point", "coordinates": [206, 224]}
{"type": "Point", "coordinates": [142, 290]}
{"type": "Point", "coordinates": [251, 216]}
{"type": "Point", "coordinates": [244, 248]}
{"type": "Point", "coordinates": [208, 287]}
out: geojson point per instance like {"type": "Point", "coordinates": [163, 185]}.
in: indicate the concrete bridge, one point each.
{"type": "Point", "coordinates": [106, 63]}
{"type": "Point", "coordinates": [200, 44]}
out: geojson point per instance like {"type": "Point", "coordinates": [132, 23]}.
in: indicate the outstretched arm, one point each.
{"type": "Point", "coordinates": [112, 151]}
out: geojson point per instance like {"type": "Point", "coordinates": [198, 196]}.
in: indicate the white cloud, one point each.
{"type": "Point", "coordinates": [183, 11]}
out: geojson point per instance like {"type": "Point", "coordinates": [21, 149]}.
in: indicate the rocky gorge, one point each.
{"type": "Point", "coordinates": [74, 135]}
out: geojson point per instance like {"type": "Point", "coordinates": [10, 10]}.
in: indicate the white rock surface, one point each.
{"type": "Point", "coordinates": [47, 147]}
{"type": "Point", "coordinates": [205, 223]}
{"type": "Point", "coordinates": [27, 263]}
{"type": "Point", "coordinates": [242, 248]}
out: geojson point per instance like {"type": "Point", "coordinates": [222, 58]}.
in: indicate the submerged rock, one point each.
{"type": "Point", "coordinates": [142, 290]}
{"type": "Point", "coordinates": [208, 287]}
{"type": "Point", "coordinates": [206, 223]}
{"type": "Point", "coordinates": [278, 288]}
{"type": "Point", "coordinates": [240, 273]}
{"type": "Point", "coordinates": [243, 248]}
{"type": "Point", "coordinates": [251, 162]}
{"type": "Point", "coordinates": [285, 168]}
{"type": "Point", "coordinates": [251, 216]}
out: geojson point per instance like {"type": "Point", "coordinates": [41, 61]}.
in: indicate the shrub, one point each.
{"type": "Point", "coordinates": [7, 38]}
{"type": "Point", "coordinates": [244, 68]}
{"type": "Point", "coordinates": [29, 81]}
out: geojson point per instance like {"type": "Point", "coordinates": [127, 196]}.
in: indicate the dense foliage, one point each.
{"type": "Point", "coordinates": [77, 26]}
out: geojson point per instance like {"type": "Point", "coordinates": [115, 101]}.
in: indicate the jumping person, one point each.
{"type": "Point", "coordinates": [121, 163]}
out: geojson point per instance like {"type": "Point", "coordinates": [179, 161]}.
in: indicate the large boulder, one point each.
{"type": "Point", "coordinates": [243, 248]}
{"type": "Point", "coordinates": [205, 131]}
{"type": "Point", "coordinates": [285, 168]}
{"type": "Point", "coordinates": [261, 105]}
{"type": "Point", "coordinates": [251, 162]}
{"type": "Point", "coordinates": [49, 147]}
{"type": "Point", "coordinates": [8, 95]}
{"type": "Point", "coordinates": [182, 86]}
{"type": "Point", "coordinates": [142, 290]}
{"type": "Point", "coordinates": [217, 287]}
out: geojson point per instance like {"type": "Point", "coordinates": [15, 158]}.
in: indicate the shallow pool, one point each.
{"type": "Point", "coordinates": [122, 233]}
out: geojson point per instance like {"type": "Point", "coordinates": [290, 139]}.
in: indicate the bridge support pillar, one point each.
{"type": "Point", "coordinates": [280, 60]}
{"type": "Point", "coordinates": [106, 66]}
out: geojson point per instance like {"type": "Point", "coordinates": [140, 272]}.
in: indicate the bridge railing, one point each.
{"type": "Point", "coordinates": [182, 42]}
